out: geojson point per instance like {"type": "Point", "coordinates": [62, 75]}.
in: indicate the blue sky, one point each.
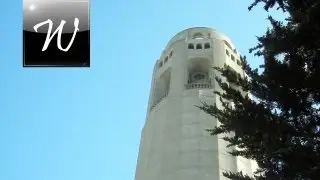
{"type": "Point", "coordinates": [85, 123]}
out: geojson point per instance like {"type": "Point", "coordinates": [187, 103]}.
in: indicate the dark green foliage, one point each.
{"type": "Point", "coordinates": [279, 128]}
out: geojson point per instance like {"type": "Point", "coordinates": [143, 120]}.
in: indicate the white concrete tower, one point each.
{"type": "Point", "coordinates": [174, 144]}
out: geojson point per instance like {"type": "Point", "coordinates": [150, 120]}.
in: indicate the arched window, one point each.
{"type": "Point", "coordinates": [190, 46]}
{"type": "Point", "coordinates": [227, 44]}
{"type": "Point", "coordinates": [160, 64]}
{"type": "Point", "coordinates": [165, 59]}
{"type": "Point", "coordinates": [198, 76]}
{"type": "Point", "coordinates": [207, 45]}
{"type": "Point", "coordinates": [238, 62]}
{"type": "Point", "coordinates": [199, 46]}
{"type": "Point", "coordinates": [170, 54]}
{"type": "Point", "coordinates": [232, 57]}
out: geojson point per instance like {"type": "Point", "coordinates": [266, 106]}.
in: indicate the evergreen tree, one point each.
{"type": "Point", "coordinates": [279, 129]}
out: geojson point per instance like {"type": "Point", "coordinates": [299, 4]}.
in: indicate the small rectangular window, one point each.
{"type": "Point", "coordinates": [227, 52]}
{"type": "Point", "coordinates": [238, 62]}
{"type": "Point", "coordinates": [232, 57]}
{"type": "Point", "coordinates": [199, 46]}
{"type": "Point", "coordinates": [166, 59]}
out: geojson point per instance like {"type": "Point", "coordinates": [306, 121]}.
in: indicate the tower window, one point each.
{"type": "Point", "coordinates": [198, 76]}
{"type": "Point", "coordinates": [227, 52]}
{"type": "Point", "coordinates": [227, 44]}
{"type": "Point", "coordinates": [165, 59]}
{"type": "Point", "coordinates": [190, 46]}
{"type": "Point", "coordinates": [207, 45]}
{"type": "Point", "coordinates": [232, 57]}
{"type": "Point", "coordinates": [160, 64]}
{"type": "Point", "coordinates": [199, 46]}
{"type": "Point", "coordinates": [170, 54]}
{"type": "Point", "coordinates": [238, 62]}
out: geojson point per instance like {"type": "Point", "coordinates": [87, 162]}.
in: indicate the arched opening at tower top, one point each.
{"type": "Point", "coordinates": [198, 36]}
{"type": "Point", "coordinates": [198, 71]}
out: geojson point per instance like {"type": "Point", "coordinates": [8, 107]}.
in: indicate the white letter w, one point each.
{"type": "Point", "coordinates": [60, 27]}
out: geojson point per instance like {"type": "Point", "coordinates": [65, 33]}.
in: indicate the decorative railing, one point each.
{"type": "Point", "coordinates": [198, 86]}
{"type": "Point", "coordinates": [158, 101]}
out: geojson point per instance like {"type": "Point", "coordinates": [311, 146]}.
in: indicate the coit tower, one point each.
{"type": "Point", "coordinates": [174, 142]}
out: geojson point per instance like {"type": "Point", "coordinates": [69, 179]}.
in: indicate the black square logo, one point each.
{"type": "Point", "coordinates": [56, 33]}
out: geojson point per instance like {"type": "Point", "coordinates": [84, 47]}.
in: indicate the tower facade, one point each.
{"type": "Point", "coordinates": [174, 142]}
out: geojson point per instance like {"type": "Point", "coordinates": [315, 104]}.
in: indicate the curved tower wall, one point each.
{"type": "Point", "coordinates": [174, 144]}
